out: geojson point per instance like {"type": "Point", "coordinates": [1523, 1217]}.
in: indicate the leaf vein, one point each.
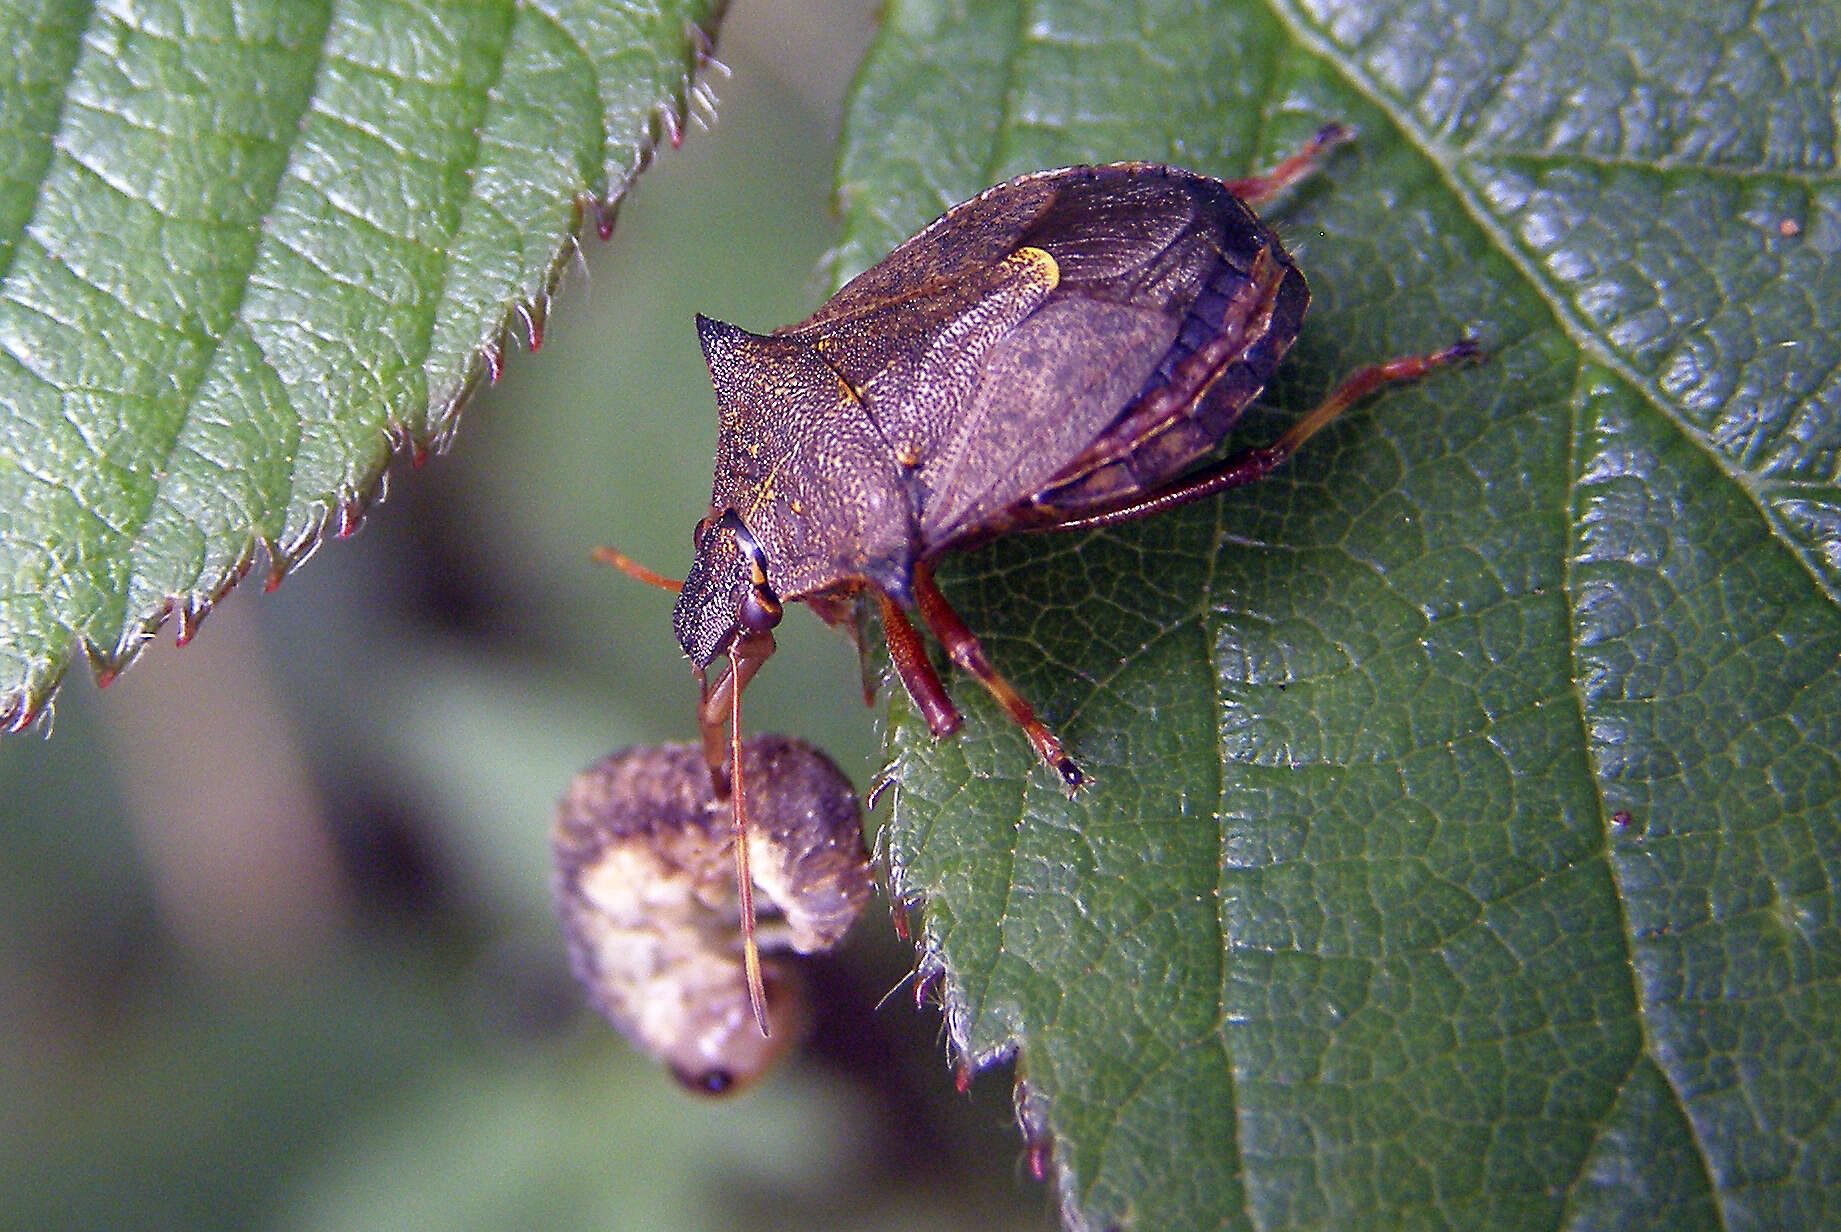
{"type": "Point", "coordinates": [194, 382]}
{"type": "Point", "coordinates": [1744, 174]}
{"type": "Point", "coordinates": [1564, 314]}
{"type": "Point", "coordinates": [1004, 121]}
{"type": "Point", "coordinates": [56, 126]}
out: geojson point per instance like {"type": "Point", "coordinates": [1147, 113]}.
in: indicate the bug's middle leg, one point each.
{"type": "Point", "coordinates": [917, 675]}
{"type": "Point", "coordinates": [963, 649]}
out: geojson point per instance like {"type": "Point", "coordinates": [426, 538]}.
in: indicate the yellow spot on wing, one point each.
{"type": "Point", "coordinates": [1038, 266]}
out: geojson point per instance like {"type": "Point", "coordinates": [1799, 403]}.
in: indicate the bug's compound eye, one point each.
{"type": "Point", "coordinates": [701, 529]}
{"type": "Point", "coordinates": [760, 610]}
{"type": "Point", "coordinates": [731, 521]}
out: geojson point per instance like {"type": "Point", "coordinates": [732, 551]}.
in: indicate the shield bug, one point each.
{"type": "Point", "coordinates": [1063, 350]}
{"type": "Point", "coordinates": [645, 890]}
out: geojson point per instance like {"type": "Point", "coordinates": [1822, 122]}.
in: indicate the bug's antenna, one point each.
{"type": "Point", "coordinates": [744, 879]}
{"type": "Point", "coordinates": [635, 570]}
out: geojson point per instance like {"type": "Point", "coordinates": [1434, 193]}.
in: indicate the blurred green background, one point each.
{"type": "Point", "coordinates": [277, 943]}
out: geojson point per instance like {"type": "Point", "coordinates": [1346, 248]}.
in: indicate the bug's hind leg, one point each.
{"type": "Point", "coordinates": [963, 649]}
{"type": "Point", "coordinates": [1255, 464]}
{"type": "Point", "coordinates": [1254, 189]}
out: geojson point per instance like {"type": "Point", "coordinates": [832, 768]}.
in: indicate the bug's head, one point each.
{"type": "Point", "coordinates": [726, 594]}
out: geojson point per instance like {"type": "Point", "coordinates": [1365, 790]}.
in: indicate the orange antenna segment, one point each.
{"type": "Point", "coordinates": [633, 569]}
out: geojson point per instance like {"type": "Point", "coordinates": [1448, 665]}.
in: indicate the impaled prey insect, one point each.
{"type": "Point", "coordinates": [651, 916]}
{"type": "Point", "coordinates": [1055, 353]}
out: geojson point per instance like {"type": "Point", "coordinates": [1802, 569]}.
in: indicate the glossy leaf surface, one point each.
{"type": "Point", "coordinates": [244, 250]}
{"type": "Point", "coordinates": [1465, 838]}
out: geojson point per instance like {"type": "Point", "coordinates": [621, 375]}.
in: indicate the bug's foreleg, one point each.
{"type": "Point", "coordinates": [719, 701]}
{"type": "Point", "coordinates": [963, 649]}
{"type": "Point", "coordinates": [1255, 464]}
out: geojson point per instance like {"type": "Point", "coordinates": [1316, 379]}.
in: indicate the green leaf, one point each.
{"type": "Point", "coordinates": [1464, 844]}
{"type": "Point", "coordinates": [244, 250]}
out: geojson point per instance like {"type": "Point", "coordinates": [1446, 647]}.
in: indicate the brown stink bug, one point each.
{"type": "Point", "coordinates": [1058, 352]}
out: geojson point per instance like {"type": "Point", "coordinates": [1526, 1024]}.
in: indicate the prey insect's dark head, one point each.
{"type": "Point", "coordinates": [726, 593]}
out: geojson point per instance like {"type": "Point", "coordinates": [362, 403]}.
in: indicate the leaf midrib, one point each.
{"type": "Point", "coordinates": [1574, 329]}
{"type": "Point", "coordinates": [233, 317]}
{"type": "Point", "coordinates": [1438, 155]}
